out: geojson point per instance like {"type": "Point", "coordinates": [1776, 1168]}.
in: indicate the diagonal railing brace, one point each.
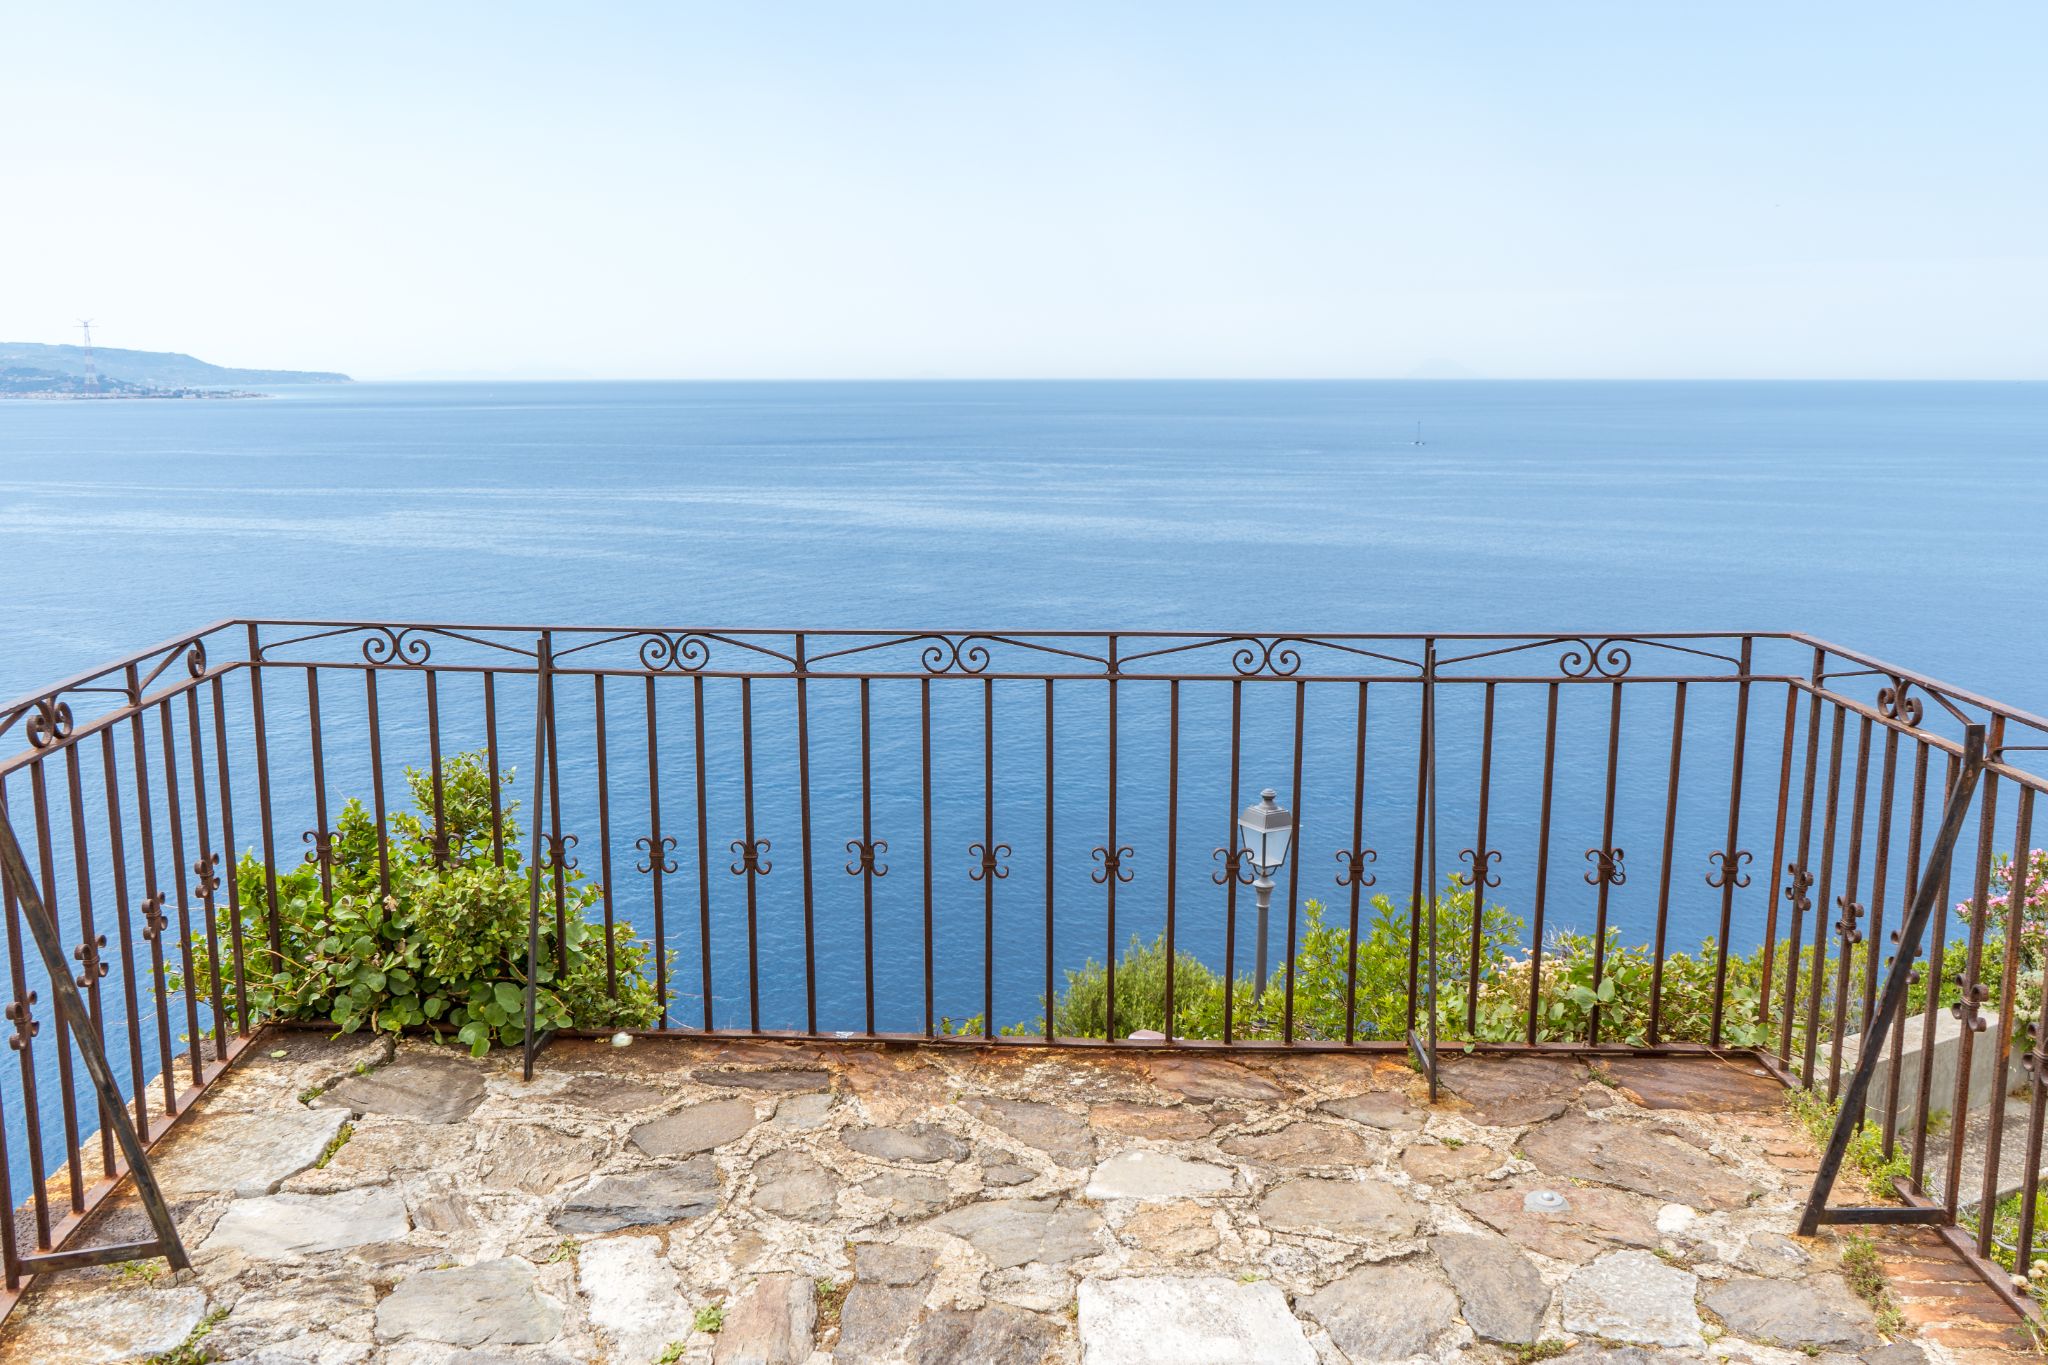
{"type": "Point", "coordinates": [1932, 880]}
{"type": "Point", "coordinates": [113, 1108]}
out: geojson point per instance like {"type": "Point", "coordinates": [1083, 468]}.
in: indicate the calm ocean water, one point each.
{"type": "Point", "coordinates": [1900, 519]}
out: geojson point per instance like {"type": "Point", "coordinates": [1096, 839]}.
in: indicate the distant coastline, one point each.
{"type": "Point", "coordinates": [31, 370]}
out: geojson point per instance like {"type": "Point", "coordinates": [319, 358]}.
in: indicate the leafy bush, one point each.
{"type": "Point", "coordinates": [445, 949]}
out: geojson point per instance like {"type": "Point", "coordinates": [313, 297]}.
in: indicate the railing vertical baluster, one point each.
{"type": "Point", "coordinates": [2036, 1060]}
{"type": "Point", "coordinates": [1482, 859]}
{"type": "Point", "coordinates": [657, 862]}
{"type": "Point", "coordinates": [867, 881]}
{"type": "Point", "coordinates": [1973, 993]}
{"type": "Point", "coordinates": [491, 759]}
{"type": "Point", "coordinates": [604, 843]}
{"type": "Point", "coordinates": [1542, 862]}
{"type": "Point", "coordinates": [1733, 857]}
{"type": "Point", "coordinates": [1111, 860]}
{"type": "Point", "coordinates": [1294, 864]}
{"type": "Point", "coordinates": [924, 714]}
{"type": "Point", "coordinates": [1915, 825]}
{"type": "Point", "coordinates": [1172, 840]}
{"type": "Point", "coordinates": [703, 850]}
{"type": "Point", "coordinates": [46, 866]}
{"type": "Point", "coordinates": [1776, 867]}
{"type": "Point", "coordinates": [153, 922]}
{"type": "Point", "coordinates": [1048, 863]}
{"type": "Point", "coordinates": [543, 687]}
{"type": "Point", "coordinates": [90, 941]}
{"type": "Point", "coordinates": [176, 817]}
{"type": "Point", "coordinates": [377, 784]}
{"type": "Point", "coordinates": [206, 874]}
{"type": "Point", "coordinates": [1415, 865]}
{"type": "Point", "coordinates": [753, 905]}
{"type": "Point", "coordinates": [803, 788]}
{"type": "Point", "coordinates": [558, 844]}
{"type": "Point", "coordinates": [321, 836]}
{"type": "Point", "coordinates": [1817, 972]}
{"type": "Point", "coordinates": [227, 858]}
{"type": "Point", "coordinates": [1355, 874]}
{"type": "Point", "coordinates": [1880, 874]}
{"type": "Point", "coordinates": [21, 1018]}
{"type": "Point", "coordinates": [988, 836]}
{"type": "Point", "coordinates": [1609, 857]}
{"type": "Point", "coordinates": [118, 858]}
{"type": "Point", "coordinates": [1851, 910]}
{"type": "Point", "coordinates": [1655, 1031]}
{"type": "Point", "coordinates": [440, 843]}
{"type": "Point", "coordinates": [1936, 972]}
{"type": "Point", "coordinates": [2008, 986]}
{"type": "Point", "coordinates": [1799, 873]}
{"type": "Point", "coordinates": [1230, 872]}
{"type": "Point", "coordinates": [266, 822]}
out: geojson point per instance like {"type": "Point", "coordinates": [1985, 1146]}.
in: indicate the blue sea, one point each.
{"type": "Point", "coordinates": [1903, 520]}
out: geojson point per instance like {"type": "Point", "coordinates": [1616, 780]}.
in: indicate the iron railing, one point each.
{"type": "Point", "coordinates": [920, 834]}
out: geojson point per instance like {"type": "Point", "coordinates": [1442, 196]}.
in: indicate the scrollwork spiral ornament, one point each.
{"type": "Point", "coordinates": [988, 862]}
{"type": "Point", "coordinates": [867, 857]}
{"type": "Point", "coordinates": [753, 858]}
{"type": "Point", "coordinates": [657, 851]}
{"type": "Point", "coordinates": [554, 851]}
{"type": "Point", "coordinates": [1113, 860]}
{"type": "Point", "coordinates": [1351, 866]}
{"type": "Point", "coordinates": [1608, 658]}
{"type": "Point", "coordinates": [675, 653]}
{"type": "Point", "coordinates": [1728, 868]}
{"type": "Point", "coordinates": [1607, 867]}
{"type": "Point", "coordinates": [26, 1026]}
{"type": "Point", "coordinates": [49, 722]}
{"type": "Point", "coordinates": [1236, 867]}
{"type": "Point", "coordinates": [403, 645]}
{"type": "Point", "coordinates": [1478, 873]}
{"type": "Point", "coordinates": [1277, 656]}
{"type": "Point", "coordinates": [965, 655]}
{"type": "Point", "coordinates": [1896, 702]}
{"type": "Point", "coordinates": [195, 657]}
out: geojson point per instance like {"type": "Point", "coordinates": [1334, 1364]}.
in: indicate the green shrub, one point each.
{"type": "Point", "coordinates": [445, 950]}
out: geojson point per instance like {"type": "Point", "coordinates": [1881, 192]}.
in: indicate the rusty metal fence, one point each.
{"type": "Point", "coordinates": [1689, 842]}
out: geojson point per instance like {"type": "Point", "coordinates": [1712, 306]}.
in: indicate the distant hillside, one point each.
{"type": "Point", "coordinates": [149, 369]}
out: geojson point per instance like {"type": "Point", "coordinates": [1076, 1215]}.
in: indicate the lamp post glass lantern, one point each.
{"type": "Point", "coordinates": [1264, 832]}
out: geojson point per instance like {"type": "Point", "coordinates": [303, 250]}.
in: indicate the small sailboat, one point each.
{"type": "Point", "coordinates": [1418, 434]}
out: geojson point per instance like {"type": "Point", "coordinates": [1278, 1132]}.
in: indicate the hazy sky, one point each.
{"type": "Point", "coordinates": [1095, 189]}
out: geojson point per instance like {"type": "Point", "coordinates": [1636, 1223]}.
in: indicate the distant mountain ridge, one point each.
{"type": "Point", "coordinates": [149, 369]}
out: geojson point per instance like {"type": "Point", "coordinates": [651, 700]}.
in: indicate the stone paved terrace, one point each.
{"type": "Point", "coordinates": [1011, 1206]}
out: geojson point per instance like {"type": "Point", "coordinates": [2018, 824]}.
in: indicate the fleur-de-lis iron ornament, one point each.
{"type": "Point", "coordinates": [657, 852]}
{"type": "Point", "coordinates": [1914, 976]}
{"type": "Point", "coordinates": [442, 845]}
{"type": "Point", "coordinates": [1969, 1008]}
{"type": "Point", "coordinates": [1607, 867]}
{"type": "Point", "coordinates": [2035, 1064]}
{"type": "Point", "coordinates": [1112, 860]}
{"type": "Point", "coordinates": [554, 851]}
{"type": "Point", "coordinates": [91, 969]}
{"type": "Point", "coordinates": [26, 1026]}
{"type": "Point", "coordinates": [207, 870]}
{"type": "Point", "coordinates": [1351, 866]}
{"type": "Point", "coordinates": [865, 854]}
{"type": "Point", "coordinates": [322, 851]}
{"type": "Point", "coordinates": [1479, 867]}
{"type": "Point", "coordinates": [1728, 868]}
{"type": "Point", "coordinates": [1846, 926]}
{"type": "Point", "coordinates": [1798, 881]}
{"type": "Point", "coordinates": [753, 858]}
{"type": "Point", "coordinates": [153, 920]}
{"type": "Point", "coordinates": [1237, 866]}
{"type": "Point", "coordinates": [988, 862]}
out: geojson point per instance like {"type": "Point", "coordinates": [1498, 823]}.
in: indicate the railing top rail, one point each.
{"type": "Point", "coordinates": [1934, 687]}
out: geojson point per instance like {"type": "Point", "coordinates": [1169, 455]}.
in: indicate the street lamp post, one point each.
{"type": "Point", "coordinates": [1264, 831]}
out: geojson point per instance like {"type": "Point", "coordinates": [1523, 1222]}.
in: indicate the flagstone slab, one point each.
{"type": "Point", "coordinates": [1151, 1175]}
{"type": "Point", "coordinates": [1344, 1208]}
{"type": "Point", "coordinates": [794, 1184]}
{"type": "Point", "coordinates": [245, 1154]}
{"type": "Point", "coordinates": [773, 1321]}
{"type": "Point", "coordinates": [1500, 1291]}
{"type": "Point", "coordinates": [1432, 1162]}
{"type": "Point", "coordinates": [1176, 1320]}
{"type": "Point", "coordinates": [913, 1142]}
{"type": "Point", "coordinates": [1507, 1092]}
{"type": "Point", "coordinates": [491, 1303]}
{"type": "Point", "coordinates": [1384, 1312]}
{"type": "Point", "coordinates": [98, 1326]}
{"type": "Point", "coordinates": [779, 1080]}
{"type": "Point", "coordinates": [696, 1128]}
{"type": "Point", "coordinates": [633, 1296]}
{"type": "Point", "coordinates": [1632, 1156]}
{"type": "Point", "coordinates": [1631, 1296]}
{"type": "Point", "coordinates": [1815, 1312]}
{"type": "Point", "coordinates": [1063, 1136]}
{"type": "Point", "coordinates": [1377, 1109]}
{"type": "Point", "coordinates": [535, 1159]}
{"type": "Point", "coordinates": [284, 1225]}
{"type": "Point", "coordinates": [1011, 1232]}
{"type": "Point", "coordinates": [1308, 1145]}
{"type": "Point", "coordinates": [662, 1194]}
{"type": "Point", "coordinates": [995, 1334]}
{"type": "Point", "coordinates": [1695, 1085]}
{"type": "Point", "coordinates": [420, 1087]}
{"type": "Point", "coordinates": [1212, 1078]}
{"type": "Point", "coordinates": [1593, 1220]}
{"type": "Point", "coordinates": [1168, 1122]}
